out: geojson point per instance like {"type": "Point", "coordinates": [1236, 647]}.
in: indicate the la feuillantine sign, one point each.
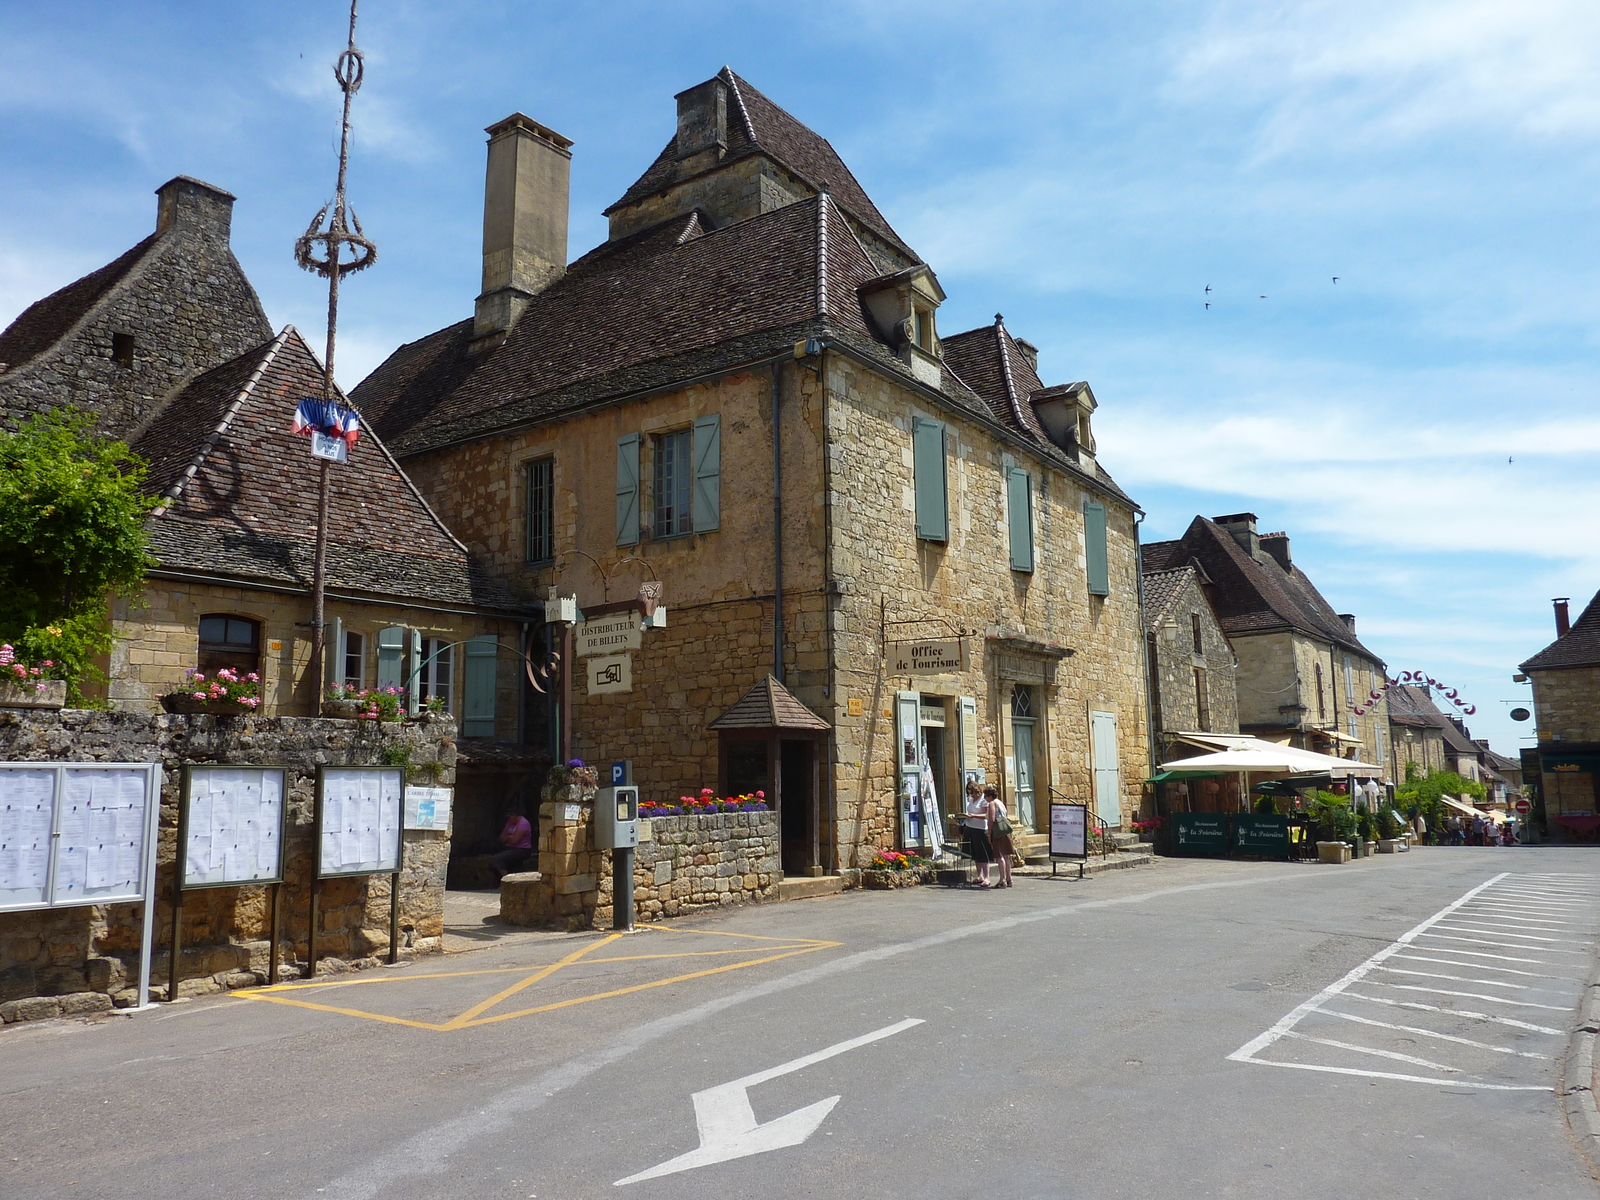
{"type": "Point", "coordinates": [934, 657]}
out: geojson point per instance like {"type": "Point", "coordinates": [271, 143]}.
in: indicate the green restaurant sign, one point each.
{"type": "Point", "coordinates": [1265, 836]}
{"type": "Point", "coordinates": [1224, 834]}
{"type": "Point", "coordinates": [1200, 833]}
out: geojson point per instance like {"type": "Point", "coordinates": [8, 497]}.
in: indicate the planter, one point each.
{"type": "Point", "coordinates": [884, 880]}
{"type": "Point", "coordinates": [346, 710]}
{"type": "Point", "coordinates": [186, 705]}
{"type": "Point", "coordinates": [1333, 852]}
{"type": "Point", "coordinates": [1389, 845]}
{"type": "Point", "coordinates": [52, 695]}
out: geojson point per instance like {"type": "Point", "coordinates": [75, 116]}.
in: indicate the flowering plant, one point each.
{"type": "Point", "coordinates": [377, 704]}
{"type": "Point", "coordinates": [895, 860]}
{"type": "Point", "coordinates": [706, 802]}
{"type": "Point", "coordinates": [225, 685]}
{"type": "Point", "coordinates": [1147, 825]}
{"type": "Point", "coordinates": [21, 673]}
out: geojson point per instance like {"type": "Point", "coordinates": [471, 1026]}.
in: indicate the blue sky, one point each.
{"type": "Point", "coordinates": [1086, 169]}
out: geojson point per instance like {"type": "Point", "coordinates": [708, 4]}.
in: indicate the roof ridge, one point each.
{"type": "Point", "coordinates": [170, 496]}
{"type": "Point", "coordinates": [1002, 336]}
{"type": "Point", "coordinates": [733, 82]}
{"type": "Point", "coordinates": [822, 251]}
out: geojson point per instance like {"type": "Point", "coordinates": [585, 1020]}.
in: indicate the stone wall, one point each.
{"type": "Point", "coordinates": [1175, 660]}
{"type": "Point", "coordinates": [1277, 687]}
{"type": "Point", "coordinates": [187, 305]}
{"type": "Point", "coordinates": [87, 958]}
{"type": "Point", "coordinates": [1567, 704]}
{"type": "Point", "coordinates": [682, 865]}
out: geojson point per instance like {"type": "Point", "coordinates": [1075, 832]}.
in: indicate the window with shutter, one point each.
{"type": "Point", "coordinates": [1019, 505]}
{"type": "Point", "coordinates": [477, 700]}
{"type": "Point", "coordinates": [391, 656]}
{"type": "Point", "coordinates": [628, 490]}
{"type": "Point", "coordinates": [928, 464]}
{"type": "Point", "coordinates": [707, 473]}
{"type": "Point", "coordinates": [333, 653]}
{"type": "Point", "coordinates": [1094, 547]}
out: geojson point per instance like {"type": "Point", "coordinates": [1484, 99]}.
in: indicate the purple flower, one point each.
{"type": "Point", "coordinates": [574, 763]}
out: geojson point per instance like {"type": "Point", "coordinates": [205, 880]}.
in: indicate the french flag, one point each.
{"type": "Point", "coordinates": [321, 416]}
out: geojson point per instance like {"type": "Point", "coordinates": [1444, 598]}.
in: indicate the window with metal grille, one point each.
{"type": "Point", "coordinates": [674, 484]}
{"type": "Point", "coordinates": [227, 641]}
{"type": "Point", "coordinates": [1022, 701]}
{"type": "Point", "coordinates": [541, 488]}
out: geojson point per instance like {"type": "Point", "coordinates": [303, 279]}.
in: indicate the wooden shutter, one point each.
{"type": "Point", "coordinates": [477, 701]}
{"type": "Point", "coordinates": [414, 679]}
{"type": "Point", "coordinates": [707, 473]}
{"type": "Point", "coordinates": [1019, 502]}
{"type": "Point", "coordinates": [1107, 775]}
{"type": "Point", "coordinates": [391, 656]}
{"type": "Point", "coordinates": [628, 490]}
{"type": "Point", "coordinates": [1094, 547]}
{"type": "Point", "coordinates": [332, 656]}
{"type": "Point", "coordinates": [928, 454]}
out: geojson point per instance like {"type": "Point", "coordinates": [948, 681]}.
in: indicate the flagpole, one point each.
{"type": "Point", "coordinates": [348, 70]}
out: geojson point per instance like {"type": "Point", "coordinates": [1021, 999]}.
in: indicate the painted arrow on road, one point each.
{"type": "Point", "coordinates": [727, 1123]}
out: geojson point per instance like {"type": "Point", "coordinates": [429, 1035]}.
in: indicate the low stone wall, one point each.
{"type": "Point", "coordinates": [688, 864]}
{"type": "Point", "coordinates": [84, 959]}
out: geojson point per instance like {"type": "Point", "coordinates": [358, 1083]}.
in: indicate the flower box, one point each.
{"type": "Point", "coordinates": [1333, 852]}
{"type": "Point", "coordinates": [184, 704]}
{"type": "Point", "coordinates": [48, 693]}
{"type": "Point", "coordinates": [347, 710]}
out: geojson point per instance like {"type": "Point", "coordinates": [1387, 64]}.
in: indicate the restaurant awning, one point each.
{"type": "Point", "coordinates": [1267, 757]}
{"type": "Point", "coordinates": [1176, 776]}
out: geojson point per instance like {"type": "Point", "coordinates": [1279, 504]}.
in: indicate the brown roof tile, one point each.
{"type": "Point", "coordinates": [769, 705]}
{"type": "Point", "coordinates": [45, 322]}
{"type": "Point", "coordinates": [1578, 647]}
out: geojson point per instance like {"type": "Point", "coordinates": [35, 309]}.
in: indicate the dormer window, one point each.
{"type": "Point", "coordinates": [902, 306]}
{"type": "Point", "coordinates": [1066, 411]}
{"type": "Point", "coordinates": [922, 326]}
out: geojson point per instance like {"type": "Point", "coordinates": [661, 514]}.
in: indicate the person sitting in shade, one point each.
{"type": "Point", "coordinates": [517, 838]}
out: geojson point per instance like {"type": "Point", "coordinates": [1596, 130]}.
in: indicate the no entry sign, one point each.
{"type": "Point", "coordinates": [1524, 805]}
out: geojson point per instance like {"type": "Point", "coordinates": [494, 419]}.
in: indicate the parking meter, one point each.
{"type": "Point", "coordinates": [616, 818]}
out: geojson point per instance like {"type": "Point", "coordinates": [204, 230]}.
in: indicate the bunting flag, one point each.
{"type": "Point", "coordinates": [324, 417]}
{"type": "Point", "coordinates": [1420, 679]}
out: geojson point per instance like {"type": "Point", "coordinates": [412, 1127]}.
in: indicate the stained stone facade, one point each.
{"type": "Point", "coordinates": [118, 341]}
{"type": "Point", "coordinates": [1566, 702]}
{"type": "Point", "coordinates": [1191, 661]}
{"type": "Point", "coordinates": [85, 959]}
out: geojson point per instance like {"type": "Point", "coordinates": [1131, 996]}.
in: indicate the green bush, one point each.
{"type": "Point", "coordinates": [1389, 824]}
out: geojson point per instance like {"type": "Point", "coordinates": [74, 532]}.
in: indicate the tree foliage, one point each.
{"type": "Point", "coordinates": [1424, 793]}
{"type": "Point", "coordinates": [72, 512]}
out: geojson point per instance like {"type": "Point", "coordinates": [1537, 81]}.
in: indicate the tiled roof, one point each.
{"type": "Point", "coordinates": [1162, 590]}
{"type": "Point", "coordinates": [239, 497]}
{"type": "Point", "coordinates": [1578, 647]}
{"type": "Point", "coordinates": [769, 705]}
{"type": "Point", "coordinates": [758, 126]}
{"type": "Point", "coordinates": [1407, 701]}
{"type": "Point", "coordinates": [1253, 595]}
{"type": "Point", "coordinates": [47, 321]}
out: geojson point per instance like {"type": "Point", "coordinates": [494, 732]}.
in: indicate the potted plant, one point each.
{"type": "Point", "coordinates": [892, 869]}
{"type": "Point", "coordinates": [226, 693]}
{"type": "Point", "coordinates": [365, 704]}
{"type": "Point", "coordinates": [26, 684]}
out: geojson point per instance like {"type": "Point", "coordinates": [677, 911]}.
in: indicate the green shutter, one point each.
{"type": "Point", "coordinates": [1019, 502]}
{"type": "Point", "coordinates": [707, 473]}
{"type": "Point", "coordinates": [928, 454]}
{"type": "Point", "coordinates": [477, 701]}
{"type": "Point", "coordinates": [391, 656]}
{"type": "Point", "coordinates": [332, 656]}
{"type": "Point", "coordinates": [628, 490]}
{"type": "Point", "coordinates": [1094, 547]}
{"type": "Point", "coordinates": [414, 677]}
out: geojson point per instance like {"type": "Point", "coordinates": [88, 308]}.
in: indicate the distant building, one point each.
{"type": "Point", "coordinates": [1303, 677]}
{"type": "Point", "coordinates": [1424, 734]}
{"type": "Point", "coordinates": [1566, 704]}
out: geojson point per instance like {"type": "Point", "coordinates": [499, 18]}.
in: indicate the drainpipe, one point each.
{"type": "Point", "coordinates": [1144, 648]}
{"type": "Point", "coordinates": [777, 531]}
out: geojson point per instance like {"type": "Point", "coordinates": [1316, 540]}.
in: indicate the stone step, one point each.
{"type": "Point", "coordinates": [1135, 851]}
{"type": "Point", "coordinates": [804, 887]}
{"type": "Point", "coordinates": [1095, 866]}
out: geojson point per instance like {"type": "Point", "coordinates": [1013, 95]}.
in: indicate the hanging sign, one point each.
{"type": "Point", "coordinates": [936, 657]}
{"type": "Point", "coordinates": [607, 675]}
{"type": "Point", "coordinates": [332, 428]}
{"type": "Point", "coordinates": [330, 449]}
{"type": "Point", "coordinates": [609, 635]}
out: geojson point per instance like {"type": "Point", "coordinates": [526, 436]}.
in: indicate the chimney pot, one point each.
{"type": "Point", "coordinates": [1277, 545]}
{"type": "Point", "coordinates": [195, 205]}
{"type": "Point", "coordinates": [1349, 619]}
{"type": "Point", "coordinates": [703, 119]}
{"type": "Point", "coordinates": [1563, 620]}
{"type": "Point", "coordinates": [1029, 352]}
{"type": "Point", "coordinates": [1243, 528]}
{"type": "Point", "coordinates": [525, 199]}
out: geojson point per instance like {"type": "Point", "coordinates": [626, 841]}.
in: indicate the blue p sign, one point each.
{"type": "Point", "coordinates": [619, 774]}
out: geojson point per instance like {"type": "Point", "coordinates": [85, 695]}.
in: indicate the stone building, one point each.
{"type": "Point", "coordinates": [1566, 704]}
{"type": "Point", "coordinates": [169, 348]}
{"type": "Point", "coordinates": [1303, 677]}
{"type": "Point", "coordinates": [743, 394]}
{"type": "Point", "coordinates": [1423, 733]}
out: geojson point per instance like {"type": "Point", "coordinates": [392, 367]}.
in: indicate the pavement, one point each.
{"type": "Point", "coordinates": [1406, 1026]}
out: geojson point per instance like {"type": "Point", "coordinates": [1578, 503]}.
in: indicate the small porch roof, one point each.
{"type": "Point", "coordinates": [769, 705]}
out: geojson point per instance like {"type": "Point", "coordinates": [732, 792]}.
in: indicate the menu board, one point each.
{"type": "Point", "coordinates": [73, 833]}
{"type": "Point", "coordinates": [359, 820]}
{"type": "Point", "coordinates": [233, 826]}
{"type": "Point", "coordinates": [1068, 828]}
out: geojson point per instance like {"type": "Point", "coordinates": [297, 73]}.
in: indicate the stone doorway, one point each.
{"type": "Point", "coordinates": [797, 806]}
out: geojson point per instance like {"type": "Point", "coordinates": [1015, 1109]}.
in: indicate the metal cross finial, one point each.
{"type": "Point", "coordinates": [349, 70]}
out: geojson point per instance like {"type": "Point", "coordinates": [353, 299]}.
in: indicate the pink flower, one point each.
{"type": "Point", "coordinates": [196, 675]}
{"type": "Point", "coordinates": [253, 677]}
{"type": "Point", "coordinates": [47, 663]}
{"type": "Point", "coordinates": [199, 695]}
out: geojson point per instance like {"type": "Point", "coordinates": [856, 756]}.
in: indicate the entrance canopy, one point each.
{"type": "Point", "coordinates": [1176, 776]}
{"type": "Point", "coordinates": [770, 706]}
{"type": "Point", "coordinates": [1243, 753]}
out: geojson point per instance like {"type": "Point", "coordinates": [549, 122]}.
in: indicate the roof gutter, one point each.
{"type": "Point", "coordinates": [348, 598]}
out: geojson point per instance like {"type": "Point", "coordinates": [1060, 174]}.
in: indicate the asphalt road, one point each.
{"type": "Point", "coordinates": [1392, 1027]}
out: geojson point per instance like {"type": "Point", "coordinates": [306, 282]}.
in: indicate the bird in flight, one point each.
{"type": "Point", "coordinates": [1208, 289]}
{"type": "Point", "coordinates": [1208, 304]}
{"type": "Point", "coordinates": [1336, 279]}
{"type": "Point", "coordinates": [1263, 297]}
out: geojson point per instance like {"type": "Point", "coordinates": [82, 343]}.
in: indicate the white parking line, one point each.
{"type": "Point", "coordinates": [1506, 946]}
{"type": "Point", "coordinates": [1455, 962]}
{"type": "Point", "coordinates": [1455, 1012]}
{"type": "Point", "coordinates": [1527, 937]}
{"type": "Point", "coordinates": [1433, 1033]}
{"type": "Point", "coordinates": [1496, 917]}
{"type": "Point", "coordinates": [1521, 987]}
{"type": "Point", "coordinates": [1410, 1058]}
{"type": "Point", "coordinates": [1413, 987]}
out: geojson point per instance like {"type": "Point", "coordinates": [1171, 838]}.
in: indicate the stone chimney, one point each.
{"type": "Point", "coordinates": [1277, 545]}
{"type": "Point", "coordinates": [1030, 352]}
{"type": "Point", "coordinates": [1349, 619]}
{"type": "Point", "coordinates": [193, 206]}
{"type": "Point", "coordinates": [1243, 528]}
{"type": "Point", "coordinates": [702, 125]}
{"type": "Point", "coordinates": [1563, 620]}
{"type": "Point", "coordinates": [525, 198]}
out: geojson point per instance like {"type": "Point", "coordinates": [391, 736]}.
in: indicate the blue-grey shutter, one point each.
{"type": "Point", "coordinates": [1094, 547]}
{"type": "Point", "coordinates": [927, 456]}
{"type": "Point", "coordinates": [707, 473]}
{"type": "Point", "coordinates": [414, 676]}
{"type": "Point", "coordinates": [391, 656]}
{"type": "Point", "coordinates": [332, 654]}
{"type": "Point", "coordinates": [477, 701]}
{"type": "Point", "coordinates": [628, 490]}
{"type": "Point", "coordinates": [1019, 498]}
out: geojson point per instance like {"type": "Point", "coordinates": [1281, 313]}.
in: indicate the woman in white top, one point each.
{"type": "Point", "coordinates": [975, 823]}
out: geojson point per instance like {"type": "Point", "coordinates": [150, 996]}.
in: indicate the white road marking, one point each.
{"type": "Point", "coordinates": [1410, 1058]}
{"type": "Point", "coordinates": [1506, 946]}
{"type": "Point", "coordinates": [1516, 922]}
{"type": "Point", "coordinates": [1455, 1012]}
{"type": "Point", "coordinates": [1466, 1083]}
{"type": "Point", "coordinates": [1414, 987]}
{"type": "Point", "coordinates": [1521, 987]}
{"type": "Point", "coordinates": [1527, 937]}
{"type": "Point", "coordinates": [1455, 962]}
{"type": "Point", "coordinates": [728, 1126]}
{"type": "Point", "coordinates": [1538, 962]}
{"type": "Point", "coordinates": [1433, 1033]}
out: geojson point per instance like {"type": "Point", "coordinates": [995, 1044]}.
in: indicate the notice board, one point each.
{"type": "Point", "coordinates": [428, 808]}
{"type": "Point", "coordinates": [232, 826]}
{"type": "Point", "coordinates": [360, 813]}
{"type": "Point", "coordinates": [1069, 831]}
{"type": "Point", "coordinates": [76, 833]}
